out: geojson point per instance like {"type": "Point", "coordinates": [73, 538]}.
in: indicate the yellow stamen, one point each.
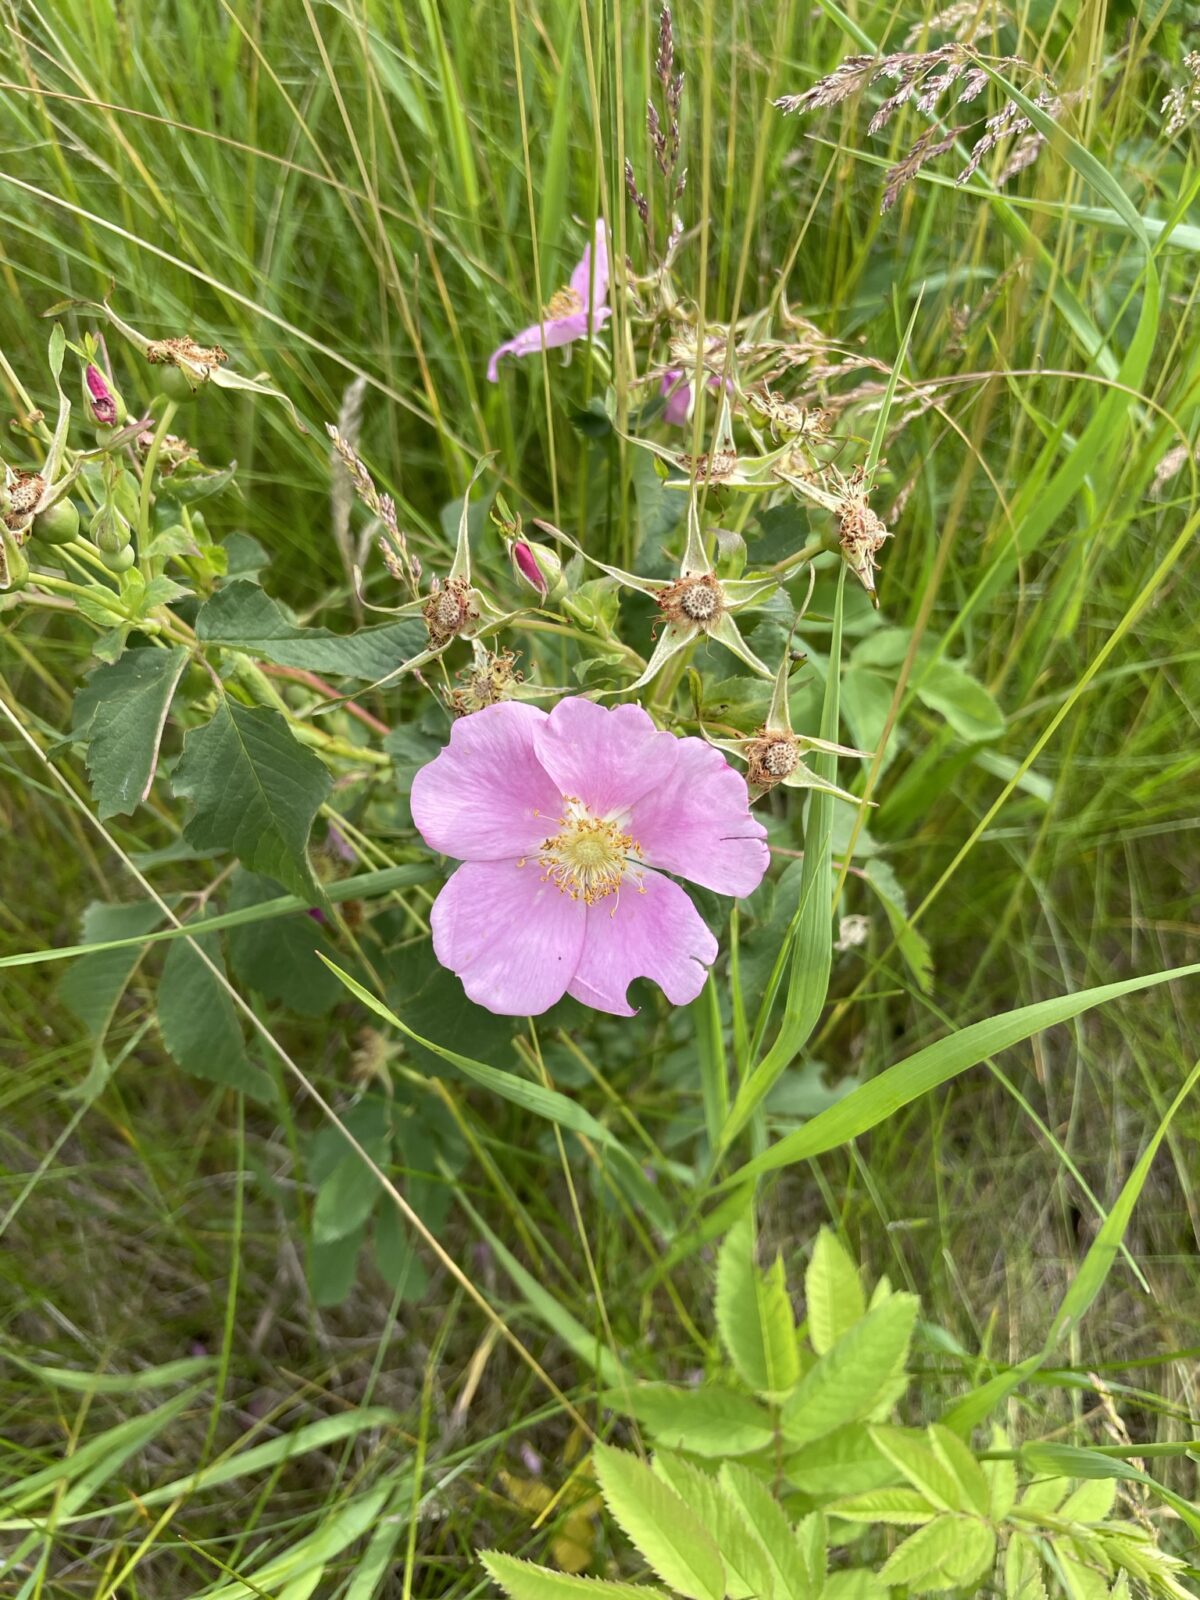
{"type": "Point", "coordinates": [589, 855]}
{"type": "Point", "coordinates": [563, 303]}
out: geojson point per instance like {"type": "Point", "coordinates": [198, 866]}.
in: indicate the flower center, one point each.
{"type": "Point", "coordinates": [563, 303]}
{"type": "Point", "coordinates": [699, 602]}
{"type": "Point", "coordinates": [780, 758]}
{"type": "Point", "coordinates": [588, 857]}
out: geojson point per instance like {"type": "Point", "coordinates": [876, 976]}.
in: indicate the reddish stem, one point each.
{"type": "Point", "coordinates": [310, 679]}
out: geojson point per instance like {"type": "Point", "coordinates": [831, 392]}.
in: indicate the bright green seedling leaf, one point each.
{"type": "Point", "coordinates": [942, 1555]}
{"type": "Point", "coordinates": [121, 712]}
{"type": "Point", "coordinates": [914, 1458]}
{"type": "Point", "coordinates": [670, 1536]}
{"type": "Point", "coordinates": [547, 1103]}
{"type": "Point", "coordinates": [833, 1292]}
{"type": "Point", "coordinates": [524, 1580]}
{"type": "Point", "coordinates": [241, 616]}
{"type": "Point", "coordinates": [766, 1518]}
{"type": "Point", "coordinates": [880, 1098]}
{"type": "Point", "coordinates": [748, 1574]}
{"type": "Point", "coordinates": [754, 1315]}
{"type": "Point", "coordinates": [278, 957]}
{"type": "Point", "coordinates": [708, 1421]}
{"type": "Point", "coordinates": [847, 1383]}
{"type": "Point", "coordinates": [199, 1025]}
{"type": "Point", "coordinates": [255, 792]}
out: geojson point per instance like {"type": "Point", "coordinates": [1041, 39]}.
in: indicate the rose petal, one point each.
{"type": "Point", "coordinates": [679, 398]}
{"type": "Point", "coordinates": [512, 938]}
{"type": "Point", "coordinates": [583, 280]}
{"type": "Point", "coordinates": [696, 822]}
{"type": "Point", "coordinates": [654, 933]}
{"type": "Point", "coordinates": [606, 757]}
{"type": "Point", "coordinates": [549, 335]}
{"type": "Point", "coordinates": [486, 797]}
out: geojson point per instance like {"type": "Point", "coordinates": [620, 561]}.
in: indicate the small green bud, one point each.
{"type": "Point", "coordinates": [14, 563]}
{"type": "Point", "coordinates": [58, 524]}
{"type": "Point", "coordinates": [119, 560]}
{"type": "Point", "coordinates": [110, 530]}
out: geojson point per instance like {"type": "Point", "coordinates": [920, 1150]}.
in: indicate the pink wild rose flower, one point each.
{"type": "Point", "coordinates": [573, 312]}
{"type": "Point", "coordinates": [566, 825]}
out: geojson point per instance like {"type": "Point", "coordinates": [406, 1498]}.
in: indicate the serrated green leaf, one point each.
{"type": "Point", "coordinates": [241, 616]}
{"type": "Point", "coordinates": [120, 712]}
{"type": "Point", "coordinates": [664, 1531]}
{"type": "Point", "coordinates": [708, 1421]}
{"type": "Point", "coordinates": [833, 1292]}
{"type": "Point", "coordinates": [199, 1025]}
{"type": "Point", "coordinates": [1001, 1478]}
{"type": "Point", "coordinates": [748, 1574]}
{"type": "Point", "coordinates": [959, 1460]}
{"type": "Point", "coordinates": [846, 1383]}
{"type": "Point", "coordinates": [914, 1458]}
{"type": "Point", "coordinates": [853, 1583]}
{"type": "Point", "coordinates": [754, 1315]}
{"type": "Point", "coordinates": [255, 792]}
{"type": "Point", "coordinates": [905, 1507]}
{"type": "Point", "coordinates": [845, 1462]}
{"type": "Point", "coordinates": [1023, 1570]}
{"type": "Point", "coordinates": [769, 1523]}
{"type": "Point", "coordinates": [93, 984]}
{"type": "Point", "coordinates": [525, 1580]}
{"type": "Point", "coordinates": [1091, 1502]}
{"type": "Point", "coordinates": [277, 956]}
{"type": "Point", "coordinates": [942, 1555]}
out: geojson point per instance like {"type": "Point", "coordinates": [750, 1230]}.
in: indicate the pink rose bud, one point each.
{"type": "Point", "coordinates": [537, 566]}
{"type": "Point", "coordinates": [102, 400]}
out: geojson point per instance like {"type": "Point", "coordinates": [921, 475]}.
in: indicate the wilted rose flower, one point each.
{"type": "Point", "coordinates": [573, 312]}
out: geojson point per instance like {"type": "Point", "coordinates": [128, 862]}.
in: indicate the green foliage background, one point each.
{"type": "Point", "coordinates": [386, 191]}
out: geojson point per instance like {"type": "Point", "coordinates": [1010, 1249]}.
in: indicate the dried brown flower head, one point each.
{"type": "Point", "coordinates": [185, 352]}
{"type": "Point", "coordinates": [698, 600]}
{"type": "Point", "coordinates": [490, 678]}
{"type": "Point", "coordinates": [448, 610]}
{"type": "Point", "coordinates": [771, 756]}
{"type": "Point", "coordinates": [25, 491]}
